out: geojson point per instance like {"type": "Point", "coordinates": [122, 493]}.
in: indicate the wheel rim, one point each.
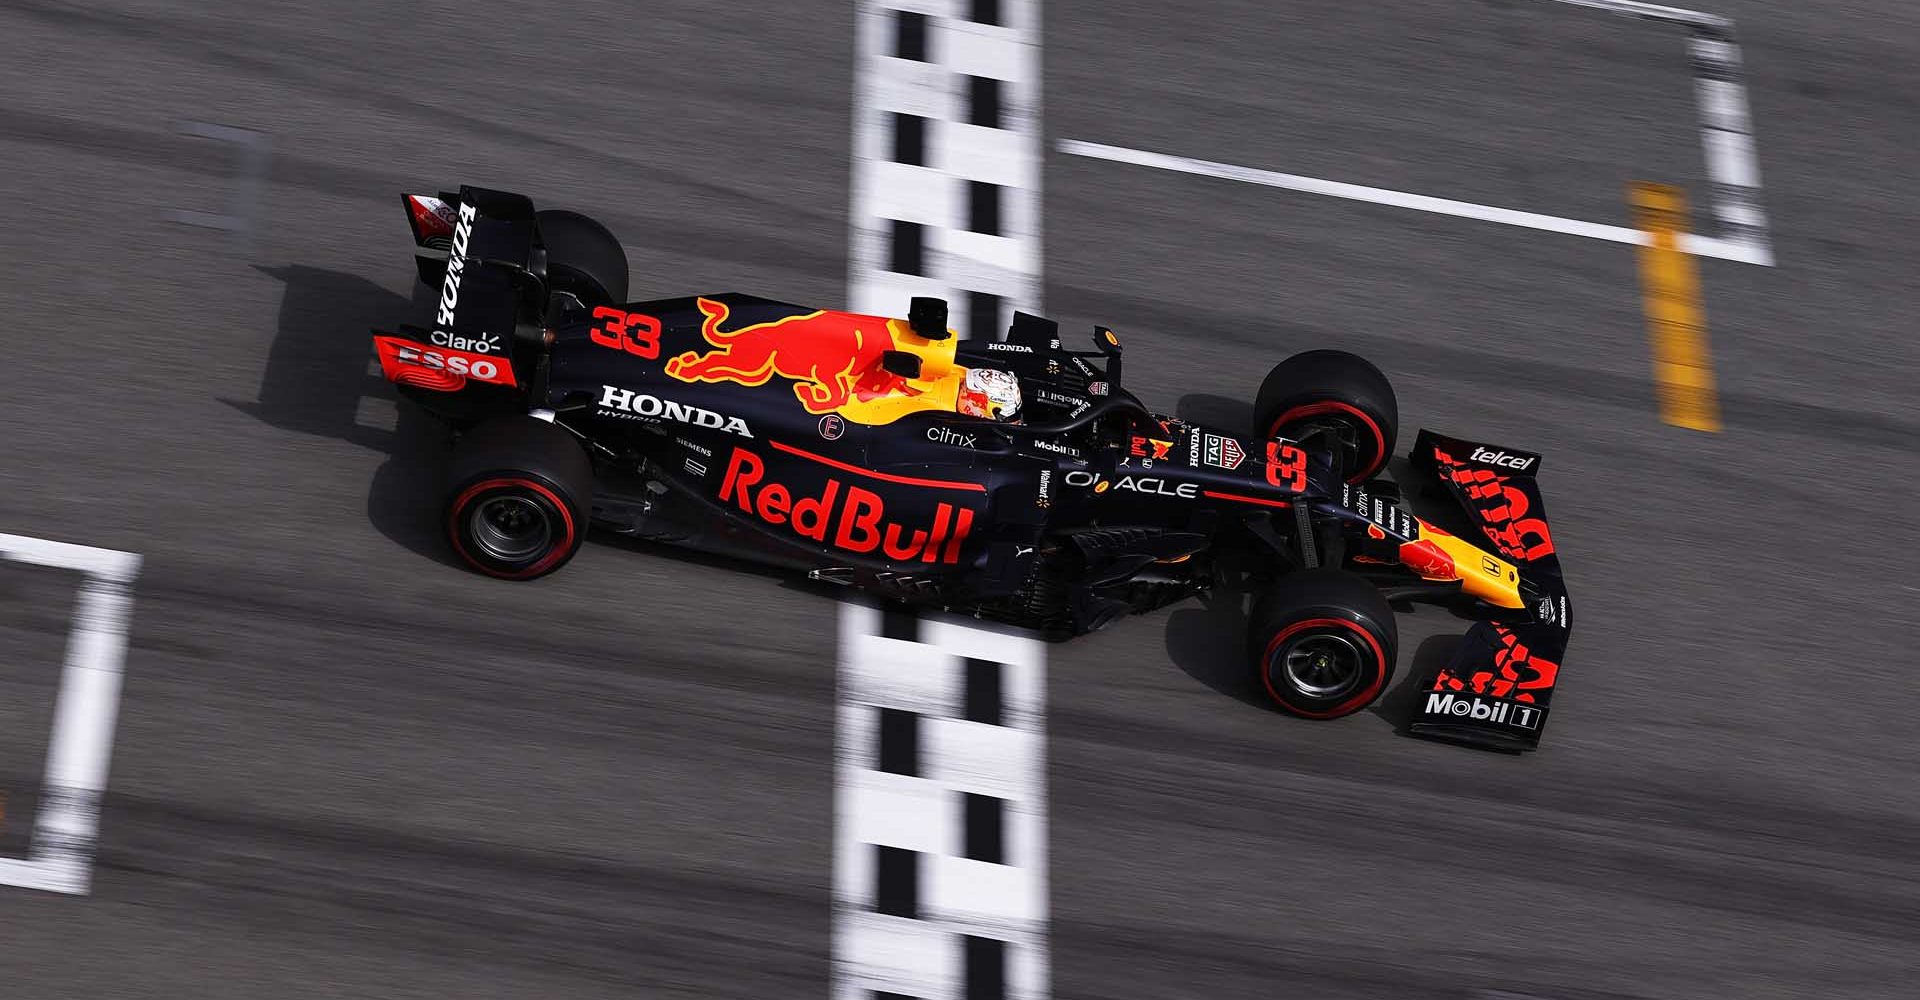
{"type": "Point", "coordinates": [1322, 665]}
{"type": "Point", "coordinates": [510, 528]}
{"type": "Point", "coordinates": [1358, 441]}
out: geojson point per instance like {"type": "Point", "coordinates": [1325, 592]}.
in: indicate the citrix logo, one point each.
{"type": "Point", "coordinates": [943, 435]}
{"type": "Point", "coordinates": [1502, 458]}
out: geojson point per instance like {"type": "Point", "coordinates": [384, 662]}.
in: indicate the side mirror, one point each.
{"type": "Point", "coordinates": [928, 317]}
{"type": "Point", "coordinates": [1109, 345]}
{"type": "Point", "coordinates": [902, 363]}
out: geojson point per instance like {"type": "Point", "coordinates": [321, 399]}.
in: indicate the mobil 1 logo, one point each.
{"type": "Point", "coordinates": [1451, 706]}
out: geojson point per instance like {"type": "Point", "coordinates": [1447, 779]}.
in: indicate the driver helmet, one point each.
{"type": "Point", "coordinates": [990, 392]}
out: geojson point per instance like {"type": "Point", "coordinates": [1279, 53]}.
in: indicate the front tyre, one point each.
{"type": "Point", "coordinates": [1323, 642]}
{"type": "Point", "coordinates": [1334, 393]}
{"type": "Point", "coordinates": [519, 491]}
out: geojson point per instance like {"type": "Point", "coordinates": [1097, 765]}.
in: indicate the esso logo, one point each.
{"type": "Point", "coordinates": [483, 369]}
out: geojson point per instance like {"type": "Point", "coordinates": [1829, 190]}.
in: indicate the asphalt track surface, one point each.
{"type": "Point", "coordinates": [348, 768]}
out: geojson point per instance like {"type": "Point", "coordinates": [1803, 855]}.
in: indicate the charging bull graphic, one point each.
{"type": "Point", "coordinates": [833, 358]}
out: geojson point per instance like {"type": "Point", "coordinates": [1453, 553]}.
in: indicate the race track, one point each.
{"type": "Point", "coordinates": [347, 767]}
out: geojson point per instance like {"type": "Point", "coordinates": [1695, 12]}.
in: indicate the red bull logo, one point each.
{"type": "Point", "coordinates": [843, 515]}
{"type": "Point", "coordinates": [833, 358]}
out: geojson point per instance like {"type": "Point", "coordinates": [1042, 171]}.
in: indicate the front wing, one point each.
{"type": "Point", "coordinates": [1496, 690]}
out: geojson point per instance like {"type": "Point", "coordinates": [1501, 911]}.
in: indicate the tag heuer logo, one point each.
{"type": "Point", "coordinates": [1224, 452]}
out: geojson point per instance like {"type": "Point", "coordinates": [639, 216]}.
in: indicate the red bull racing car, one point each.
{"type": "Point", "coordinates": [1011, 479]}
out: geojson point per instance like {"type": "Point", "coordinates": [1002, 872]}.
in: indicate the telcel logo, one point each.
{"type": "Point", "coordinates": [1505, 713]}
{"type": "Point", "coordinates": [1486, 457]}
{"type": "Point", "coordinates": [456, 266]}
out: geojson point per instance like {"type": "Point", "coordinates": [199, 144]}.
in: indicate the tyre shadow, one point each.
{"type": "Point", "coordinates": [318, 371]}
{"type": "Point", "coordinates": [1400, 702]}
{"type": "Point", "coordinates": [1219, 412]}
{"type": "Point", "coordinates": [1209, 644]}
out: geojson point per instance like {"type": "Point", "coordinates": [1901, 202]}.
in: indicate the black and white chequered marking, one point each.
{"type": "Point", "coordinates": [940, 888]}
{"type": "Point", "coordinates": [1726, 124]}
{"type": "Point", "coordinates": [946, 159]}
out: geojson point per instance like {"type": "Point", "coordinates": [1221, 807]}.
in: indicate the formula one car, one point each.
{"type": "Point", "coordinates": [1011, 479]}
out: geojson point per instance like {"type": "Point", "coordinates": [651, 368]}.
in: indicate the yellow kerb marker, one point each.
{"type": "Point", "coordinates": [1676, 320]}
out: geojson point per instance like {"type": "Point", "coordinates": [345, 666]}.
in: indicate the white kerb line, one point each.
{"type": "Point", "coordinates": [1705, 246]}
{"type": "Point", "coordinates": [1653, 12]}
{"type": "Point", "coordinates": [945, 195]}
{"type": "Point", "coordinates": [67, 823]}
{"type": "Point", "coordinates": [1726, 122]}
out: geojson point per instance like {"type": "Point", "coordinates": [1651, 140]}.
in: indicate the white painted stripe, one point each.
{"type": "Point", "coordinates": [914, 194]}
{"type": "Point", "coordinates": [899, 674]}
{"type": "Point", "coordinates": [925, 812]}
{"type": "Point", "coordinates": [1726, 137]}
{"type": "Point", "coordinates": [876, 952]}
{"type": "Point", "coordinates": [1726, 127]}
{"type": "Point", "coordinates": [976, 897]}
{"type": "Point", "coordinates": [894, 810]}
{"type": "Point", "coordinates": [1651, 11]}
{"type": "Point", "coordinates": [955, 262]}
{"type": "Point", "coordinates": [1699, 245]}
{"type": "Point", "coordinates": [67, 822]}
{"type": "Point", "coordinates": [104, 563]}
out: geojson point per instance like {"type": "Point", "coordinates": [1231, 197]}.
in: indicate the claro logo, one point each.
{"type": "Point", "coordinates": [1504, 713]}
{"type": "Point", "coordinates": [844, 516]}
{"type": "Point", "coordinates": [456, 266]}
{"type": "Point", "coordinates": [642, 405]}
{"type": "Point", "coordinates": [486, 343]}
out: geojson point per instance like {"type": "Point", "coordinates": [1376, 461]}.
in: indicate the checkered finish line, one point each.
{"type": "Point", "coordinates": [940, 839]}
{"type": "Point", "coordinates": [946, 159]}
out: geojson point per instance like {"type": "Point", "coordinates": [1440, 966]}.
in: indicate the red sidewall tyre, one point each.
{"type": "Point", "coordinates": [562, 524]}
{"type": "Point", "coordinates": [519, 495]}
{"type": "Point", "coordinates": [1331, 386]}
{"type": "Point", "coordinates": [1313, 606]}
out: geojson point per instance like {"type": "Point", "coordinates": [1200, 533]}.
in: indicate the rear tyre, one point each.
{"type": "Point", "coordinates": [1323, 642]}
{"type": "Point", "coordinates": [1337, 394]}
{"type": "Point", "coordinates": [584, 258]}
{"type": "Point", "coordinates": [518, 494]}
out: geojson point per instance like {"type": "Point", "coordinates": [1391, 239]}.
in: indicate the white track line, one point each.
{"type": "Point", "coordinates": [67, 823]}
{"type": "Point", "coordinates": [940, 821]}
{"type": "Point", "coordinates": [946, 159]}
{"type": "Point", "coordinates": [1726, 124]}
{"type": "Point", "coordinates": [1653, 12]}
{"type": "Point", "coordinates": [1704, 246]}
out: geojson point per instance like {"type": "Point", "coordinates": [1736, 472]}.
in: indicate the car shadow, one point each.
{"type": "Point", "coordinates": [1220, 412]}
{"type": "Point", "coordinates": [1209, 644]}
{"type": "Point", "coordinates": [319, 371]}
{"type": "Point", "coordinates": [1400, 702]}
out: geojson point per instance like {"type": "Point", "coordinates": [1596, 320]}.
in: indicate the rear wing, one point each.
{"type": "Point", "coordinates": [481, 249]}
{"type": "Point", "coordinates": [1496, 689]}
